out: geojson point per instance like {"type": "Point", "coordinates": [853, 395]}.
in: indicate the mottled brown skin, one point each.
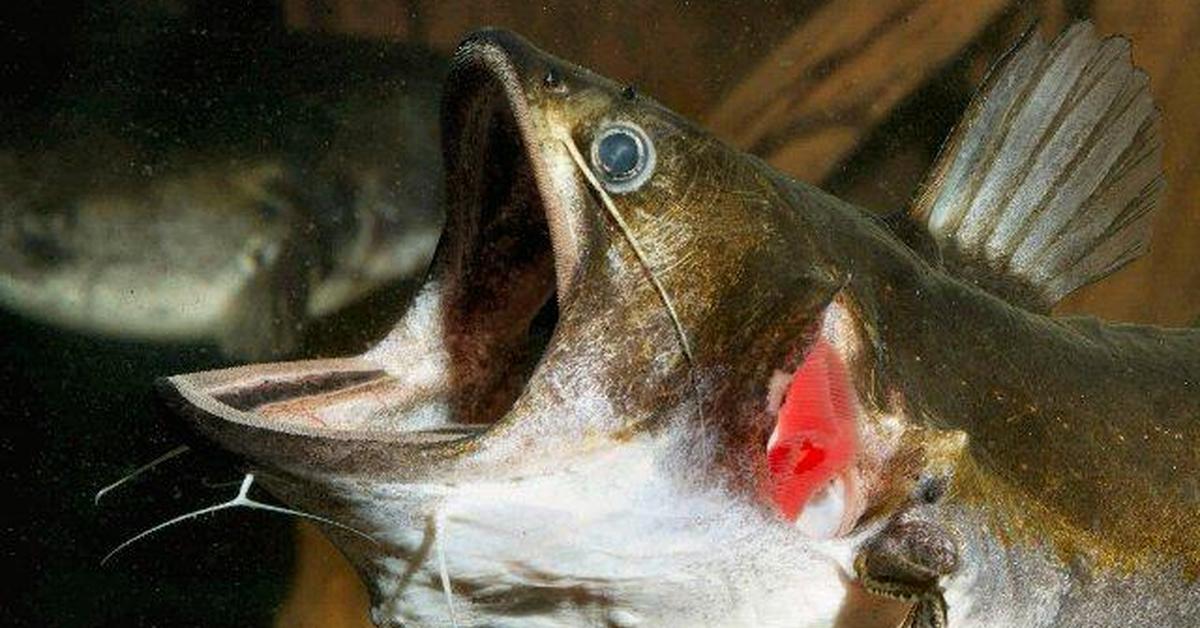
{"type": "Point", "coordinates": [1071, 432]}
{"type": "Point", "coordinates": [1097, 424]}
{"type": "Point", "coordinates": [1081, 431]}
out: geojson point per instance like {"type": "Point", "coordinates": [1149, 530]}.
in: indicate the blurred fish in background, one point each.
{"type": "Point", "coordinates": [184, 184]}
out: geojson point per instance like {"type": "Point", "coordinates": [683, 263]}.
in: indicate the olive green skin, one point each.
{"type": "Point", "coordinates": [1078, 432]}
{"type": "Point", "coordinates": [1095, 425]}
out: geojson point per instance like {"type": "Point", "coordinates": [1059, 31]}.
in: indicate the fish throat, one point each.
{"type": "Point", "coordinates": [498, 261]}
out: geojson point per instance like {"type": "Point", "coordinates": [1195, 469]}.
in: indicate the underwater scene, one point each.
{"type": "Point", "coordinates": [352, 313]}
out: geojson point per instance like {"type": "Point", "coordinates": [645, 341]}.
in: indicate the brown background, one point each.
{"type": "Point", "coordinates": [852, 94]}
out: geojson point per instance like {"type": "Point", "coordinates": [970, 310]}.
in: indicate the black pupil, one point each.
{"type": "Point", "coordinates": [618, 153]}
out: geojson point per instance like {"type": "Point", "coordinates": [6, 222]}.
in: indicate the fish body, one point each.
{"type": "Point", "coordinates": [221, 187]}
{"type": "Point", "coordinates": [652, 381]}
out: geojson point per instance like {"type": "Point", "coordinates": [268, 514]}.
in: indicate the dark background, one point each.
{"type": "Point", "coordinates": [78, 412]}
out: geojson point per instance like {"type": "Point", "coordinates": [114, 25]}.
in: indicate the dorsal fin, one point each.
{"type": "Point", "coordinates": [1050, 180]}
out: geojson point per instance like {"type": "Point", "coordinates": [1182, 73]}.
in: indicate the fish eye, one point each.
{"type": "Point", "coordinates": [623, 157]}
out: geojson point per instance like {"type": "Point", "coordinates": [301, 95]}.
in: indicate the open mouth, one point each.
{"type": "Point", "coordinates": [473, 337]}
{"type": "Point", "coordinates": [498, 261]}
{"type": "Point", "coordinates": [498, 264]}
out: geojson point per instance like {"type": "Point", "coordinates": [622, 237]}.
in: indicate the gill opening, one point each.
{"type": "Point", "coordinates": [243, 500]}
{"type": "Point", "coordinates": [644, 261]}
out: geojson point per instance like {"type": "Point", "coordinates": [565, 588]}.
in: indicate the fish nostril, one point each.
{"type": "Point", "coordinates": [553, 82]}
{"type": "Point", "coordinates": [931, 489]}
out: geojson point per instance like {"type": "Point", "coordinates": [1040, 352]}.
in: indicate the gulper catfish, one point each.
{"type": "Point", "coordinates": [651, 381]}
{"type": "Point", "coordinates": [219, 187]}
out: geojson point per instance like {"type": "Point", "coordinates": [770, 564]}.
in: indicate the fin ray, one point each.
{"type": "Point", "coordinates": [1050, 181]}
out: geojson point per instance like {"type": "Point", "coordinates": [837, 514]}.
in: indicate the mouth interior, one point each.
{"type": "Point", "coordinates": [496, 311]}
{"type": "Point", "coordinates": [501, 306]}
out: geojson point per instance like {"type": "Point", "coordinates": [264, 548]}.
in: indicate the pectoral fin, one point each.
{"type": "Point", "coordinates": [1050, 181]}
{"type": "Point", "coordinates": [928, 612]}
{"type": "Point", "coordinates": [906, 561]}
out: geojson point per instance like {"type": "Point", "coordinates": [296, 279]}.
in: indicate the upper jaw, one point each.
{"type": "Point", "coordinates": [491, 90]}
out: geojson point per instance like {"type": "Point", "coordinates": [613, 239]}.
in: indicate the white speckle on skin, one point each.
{"type": "Point", "coordinates": [609, 528]}
{"type": "Point", "coordinates": [623, 619]}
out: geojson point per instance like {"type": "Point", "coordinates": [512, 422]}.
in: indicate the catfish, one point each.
{"type": "Point", "coordinates": [197, 186]}
{"type": "Point", "coordinates": [650, 380]}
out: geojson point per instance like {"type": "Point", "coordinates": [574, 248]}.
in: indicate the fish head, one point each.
{"type": "Point", "coordinates": [575, 420]}
{"type": "Point", "coordinates": [375, 192]}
